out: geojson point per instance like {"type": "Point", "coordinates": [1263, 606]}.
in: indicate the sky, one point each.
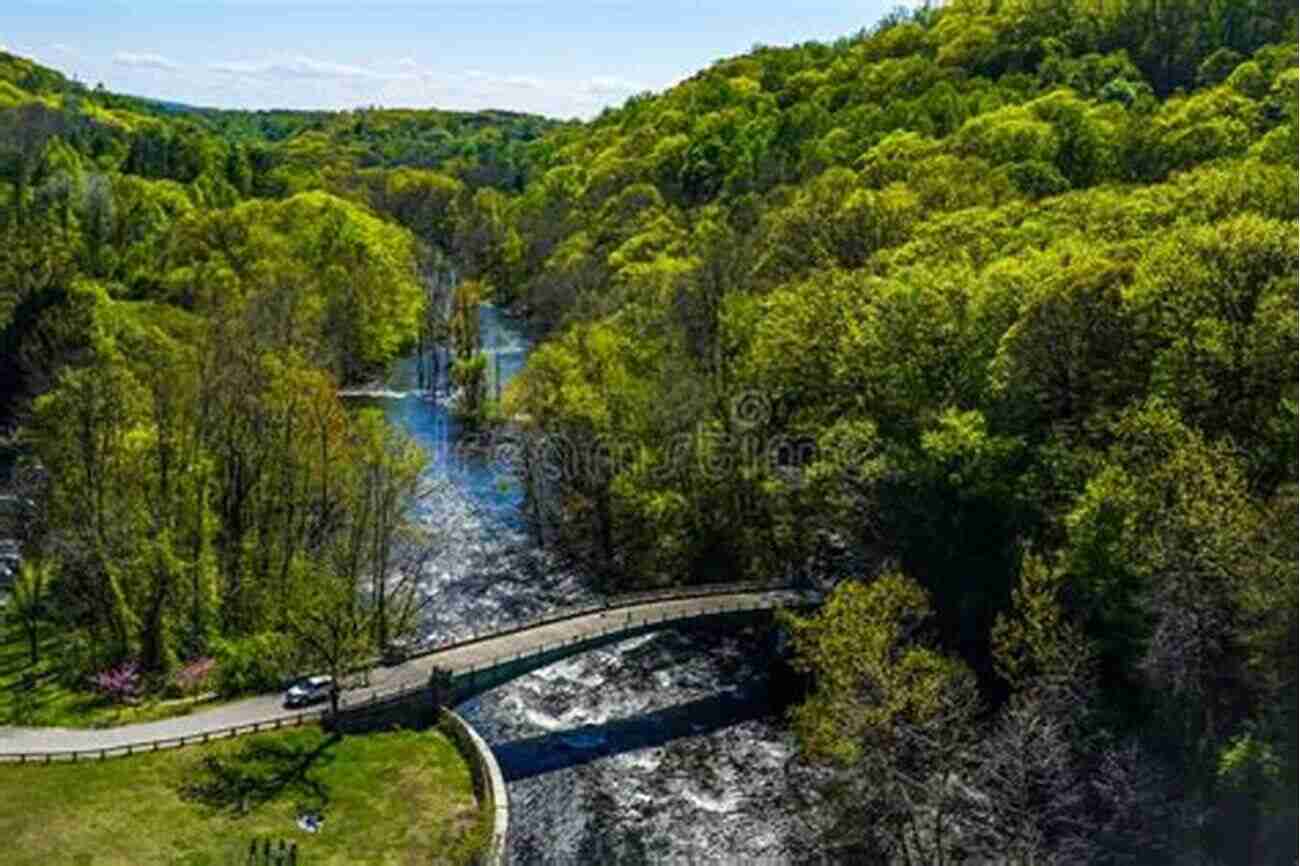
{"type": "Point", "coordinates": [553, 57]}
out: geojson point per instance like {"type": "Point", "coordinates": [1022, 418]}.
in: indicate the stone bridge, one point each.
{"type": "Point", "coordinates": [472, 667]}
{"type": "Point", "coordinates": [475, 667]}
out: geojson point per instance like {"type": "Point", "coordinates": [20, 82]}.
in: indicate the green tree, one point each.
{"type": "Point", "coordinates": [898, 713]}
{"type": "Point", "coordinates": [1161, 555]}
{"type": "Point", "coordinates": [29, 600]}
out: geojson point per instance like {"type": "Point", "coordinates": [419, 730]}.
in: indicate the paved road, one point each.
{"type": "Point", "coordinates": [461, 657]}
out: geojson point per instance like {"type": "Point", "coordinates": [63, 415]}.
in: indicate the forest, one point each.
{"type": "Point", "coordinates": [183, 292]}
{"type": "Point", "coordinates": [986, 314]}
{"type": "Point", "coordinates": [993, 308]}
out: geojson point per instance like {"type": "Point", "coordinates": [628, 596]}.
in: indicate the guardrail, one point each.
{"type": "Point", "coordinates": [381, 697]}
{"type": "Point", "coordinates": [360, 703]}
{"type": "Point", "coordinates": [162, 743]}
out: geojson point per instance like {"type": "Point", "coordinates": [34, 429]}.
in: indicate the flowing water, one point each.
{"type": "Point", "coordinates": [664, 748]}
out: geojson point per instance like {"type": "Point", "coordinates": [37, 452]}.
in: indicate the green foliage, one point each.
{"type": "Point", "coordinates": [257, 663]}
{"type": "Point", "coordinates": [992, 277]}
{"type": "Point", "coordinates": [1161, 554]}
{"type": "Point", "coordinates": [1035, 639]}
{"type": "Point", "coordinates": [870, 672]}
{"type": "Point", "coordinates": [1246, 762]}
{"type": "Point", "coordinates": [343, 280]}
{"type": "Point", "coordinates": [28, 601]}
{"type": "Point", "coordinates": [995, 278]}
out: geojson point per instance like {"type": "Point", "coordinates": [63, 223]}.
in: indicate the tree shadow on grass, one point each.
{"type": "Point", "coordinates": [28, 691]}
{"type": "Point", "coordinates": [16, 663]}
{"type": "Point", "coordinates": [14, 658]}
{"type": "Point", "coordinates": [261, 772]}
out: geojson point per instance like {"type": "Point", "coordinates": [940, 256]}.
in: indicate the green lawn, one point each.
{"type": "Point", "coordinates": [51, 702]}
{"type": "Point", "coordinates": [400, 797]}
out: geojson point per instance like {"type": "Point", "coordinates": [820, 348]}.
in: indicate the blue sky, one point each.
{"type": "Point", "coordinates": [559, 58]}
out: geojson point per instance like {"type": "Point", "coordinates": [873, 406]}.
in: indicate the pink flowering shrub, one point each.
{"type": "Point", "coordinates": [120, 684]}
{"type": "Point", "coordinates": [192, 679]}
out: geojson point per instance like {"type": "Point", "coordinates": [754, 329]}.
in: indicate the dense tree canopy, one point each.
{"type": "Point", "coordinates": [987, 279]}
{"type": "Point", "coordinates": [989, 311]}
{"type": "Point", "coordinates": [182, 294]}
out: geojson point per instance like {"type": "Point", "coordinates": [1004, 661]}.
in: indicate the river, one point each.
{"type": "Point", "coordinates": [664, 748]}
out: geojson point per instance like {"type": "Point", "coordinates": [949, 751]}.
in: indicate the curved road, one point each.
{"type": "Point", "coordinates": [476, 653]}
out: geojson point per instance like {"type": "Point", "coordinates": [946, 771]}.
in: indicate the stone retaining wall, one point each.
{"type": "Point", "coordinates": [489, 784]}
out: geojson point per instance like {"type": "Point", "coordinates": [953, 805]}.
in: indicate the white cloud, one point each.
{"type": "Point", "coordinates": [526, 82]}
{"type": "Point", "coordinates": [605, 86]}
{"type": "Point", "coordinates": [62, 48]}
{"type": "Point", "coordinates": [299, 79]}
{"type": "Point", "coordinates": [307, 67]}
{"type": "Point", "coordinates": [17, 50]}
{"type": "Point", "coordinates": [235, 67]}
{"type": "Point", "coordinates": [507, 82]}
{"type": "Point", "coordinates": [144, 60]}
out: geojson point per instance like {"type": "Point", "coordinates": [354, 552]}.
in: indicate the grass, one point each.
{"type": "Point", "coordinates": [35, 695]}
{"type": "Point", "coordinates": [399, 797]}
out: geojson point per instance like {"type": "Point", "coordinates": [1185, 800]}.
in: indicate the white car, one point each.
{"type": "Point", "coordinates": [309, 690]}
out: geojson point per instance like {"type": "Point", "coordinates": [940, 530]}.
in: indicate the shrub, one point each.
{"type": "Point", "coordinates": [119, 684]}
{"type": "Point", "coordinates": [194, 677]}
{"type": "Point", "coordinates": [259, 662]}
{"type": "Point", "coordinates": [1036, 179]}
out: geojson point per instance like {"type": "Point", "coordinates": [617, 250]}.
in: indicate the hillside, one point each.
{"type": "Point", "coordinates": [986, 315]}
{"type": "Point", "coordinates": [993, 306]}
{"type": "Point", "coordinates": [481, 148]}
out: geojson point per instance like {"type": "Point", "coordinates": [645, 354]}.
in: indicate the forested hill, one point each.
{"type": "Point", "coordinates": [482, 148]}
{"type": "Point", "coordinates": [121, 177]}
{"type": "Point", "coordinates": [967, 235]}
{"type": "Point", "coordinates": [289, 151]}
{"type": "Point", "coordinates": [994, 304]}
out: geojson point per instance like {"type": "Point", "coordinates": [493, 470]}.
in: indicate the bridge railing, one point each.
{"type": "Point", "coordinates": [361, 699]}
{"type": "Point", "coordinates": [612, 603]}
{"type": "Point", "coordinates": [615, 627]}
